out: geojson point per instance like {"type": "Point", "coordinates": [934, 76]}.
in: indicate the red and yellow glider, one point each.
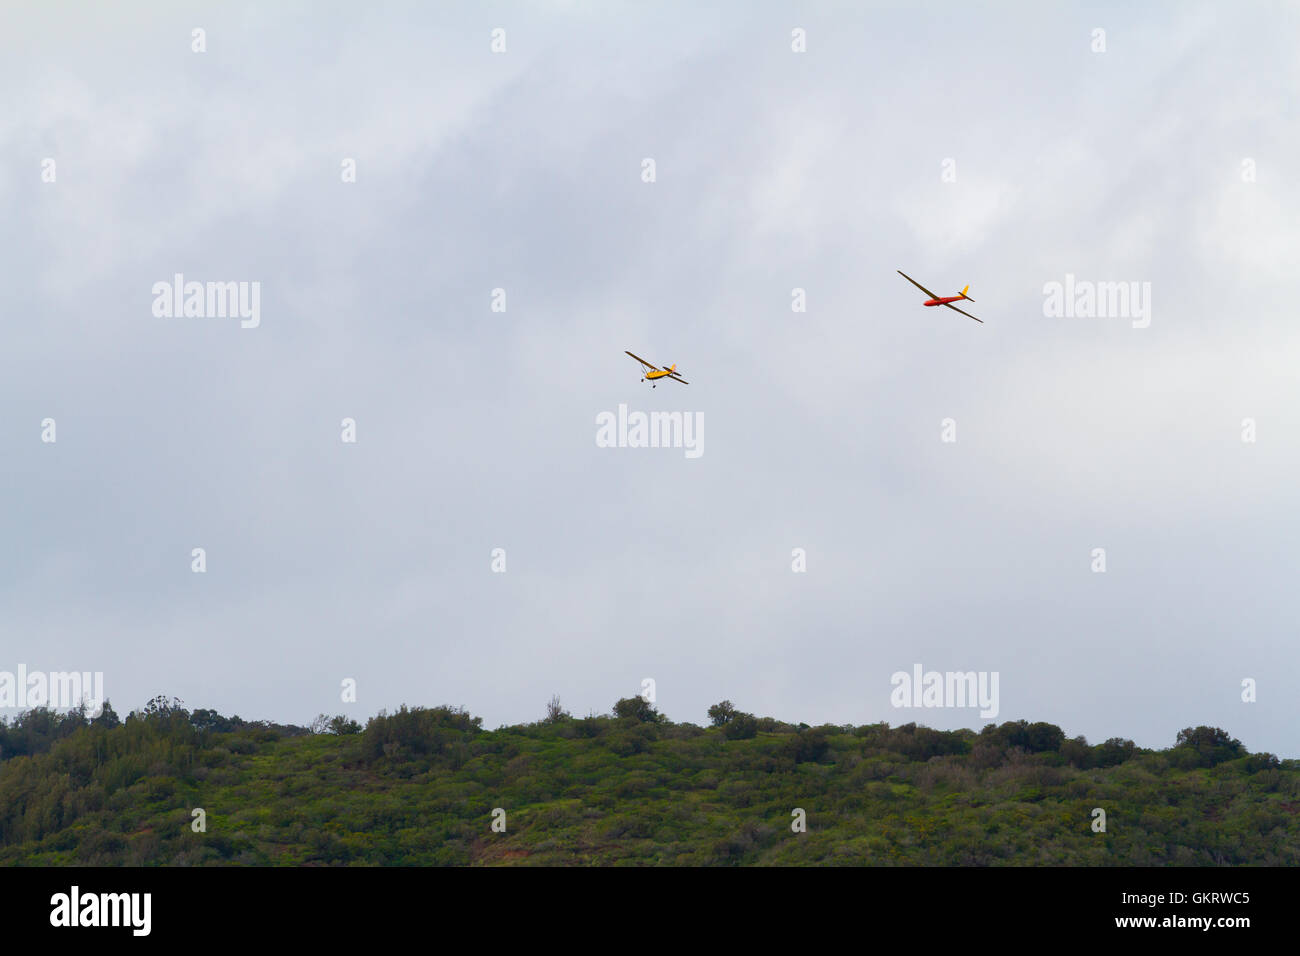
{"type": "Point", "coordinates": [943, 300]}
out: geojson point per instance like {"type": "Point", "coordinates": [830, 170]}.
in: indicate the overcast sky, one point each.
{"type": "Point", "coordinates": [990, 146]}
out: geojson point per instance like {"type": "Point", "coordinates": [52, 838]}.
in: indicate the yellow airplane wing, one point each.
{"type": "Point", "coordinates": [644, 362]}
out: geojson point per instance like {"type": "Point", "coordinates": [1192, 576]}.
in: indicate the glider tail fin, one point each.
{"type": "Point", "coordinates": [965, 296]}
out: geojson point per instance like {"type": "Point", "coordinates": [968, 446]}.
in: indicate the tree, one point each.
{"type": "Point", "coordinates": [420, 732]}
{"type": "Point", "coordinates": [1208, 746]}
{"type": "Point", "coordinates": [1033, 738]}
{"type": "Point", "coordinates": [210, 720]}
{"type": "Point", "coordinates": [554, 712]}
{"type": "Point", "coordinates": [1114, 751]}
{"type": "Point", "coordinates": [160, 706]}
{"type": "Point", "coordinates": [108, 717]}
{"type": "Point", "coordinates": [341, 724]}
{"type": "Point", "coordinates": [808, 746]}
{"type": "Point", "coordinates": [637, 708]}
{"type": "Point", "coordinates": [1077, 753]}
{"type": "Point", "coordinates": [720, 714]}
{"type": "Point", "coordinates": [741, 726]}
{"type": "Point", "coordinates": [1042, 737]}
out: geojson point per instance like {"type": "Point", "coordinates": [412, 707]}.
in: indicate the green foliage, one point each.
{"type": "Point", "coordinates": [1114, 751]}
{"type": "Point", "coordinates": [418, 732]}
{"type": "Point", "coordinates": [1031, 738]}
{"type": "Point", "coordinates": [922, 743]}
{"type": "Point", "coordinates": [1205, 747]}
{"type": "Point", "coordinates": [720, 713]}
{"type": "Point", "coordinates": [341, 724]}
{"type": "Point", "coordinates": [740, 726]}
{"type": "Point", "coordinates": [213, 722]}
{"type": "Point", "coordinates": [555, 712]}
{"type": "Point", "coordinates": [808, 746]}
{"type": "Point", "coordinates": [638, 709]}
{"type": "Point", "coordinates": [417, 788]}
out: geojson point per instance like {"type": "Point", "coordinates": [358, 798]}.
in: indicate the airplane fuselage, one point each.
{"type": "Point", "coordinates": [945, 300]}
{"type": "Point", "coordinates": [650, 373]}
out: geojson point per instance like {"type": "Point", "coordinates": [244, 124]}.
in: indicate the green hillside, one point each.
{"type": "Point", "coordinates": [420, 787]}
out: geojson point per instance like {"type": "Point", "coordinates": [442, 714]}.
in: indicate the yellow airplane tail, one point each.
{"type": "Point", "coordinates": [965, 296]}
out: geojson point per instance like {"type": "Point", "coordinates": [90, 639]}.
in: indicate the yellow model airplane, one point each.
{"type": "Point", "coordinates": [651, 373]}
